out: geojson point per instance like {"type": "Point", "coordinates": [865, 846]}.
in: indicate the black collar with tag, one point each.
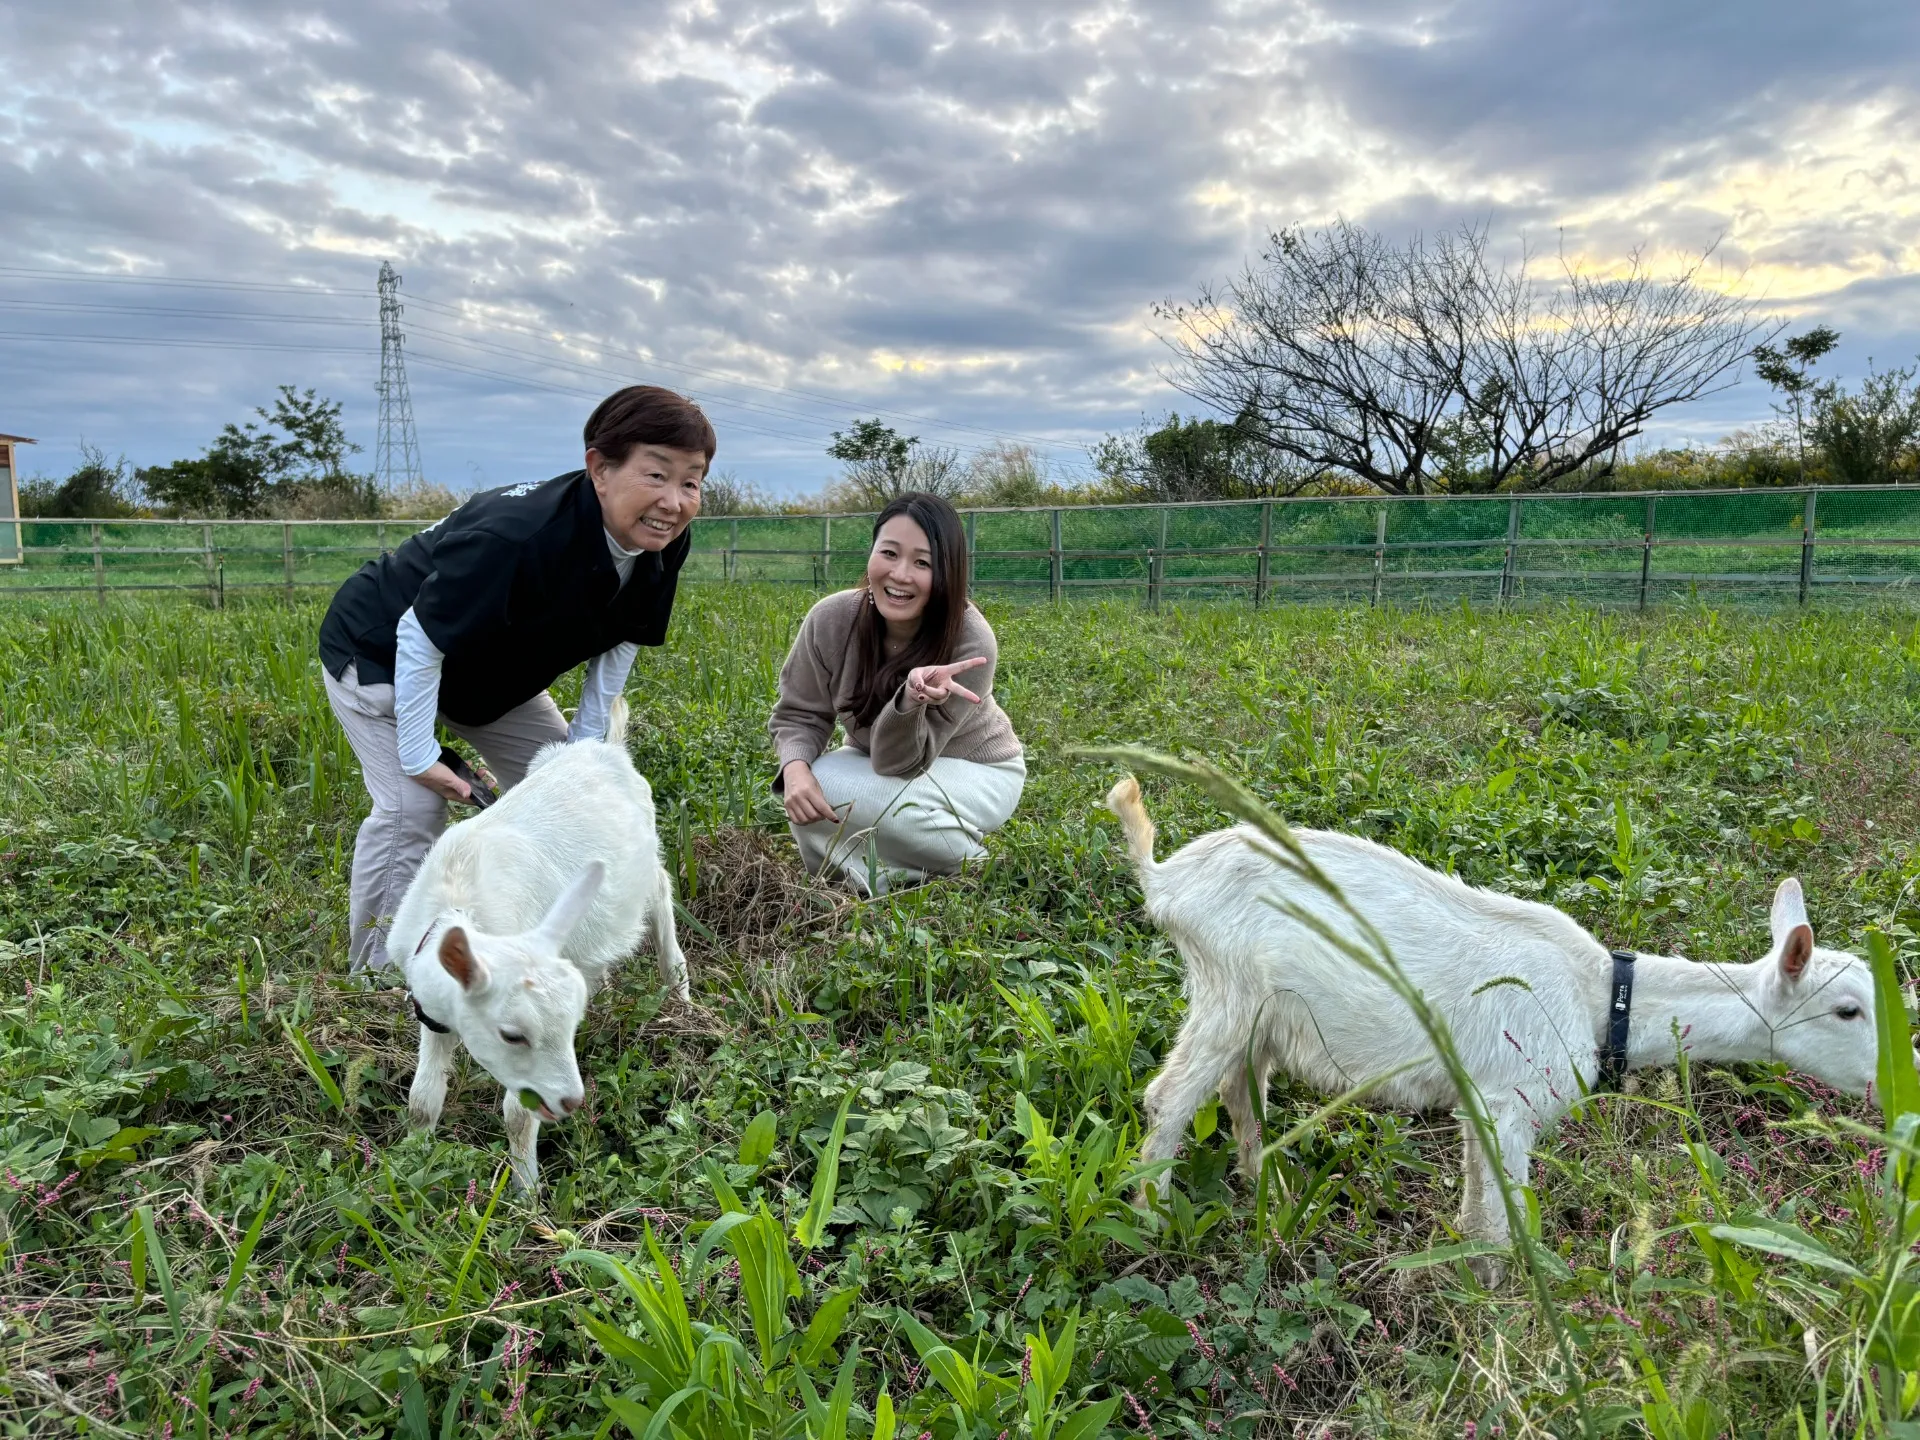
{"type": "Point", "coordinates": [1613, 1055]}
{"type": "Point", "coordinates": [414, 1000]}
{"type": "Point", "coordinates": [426, 1019]}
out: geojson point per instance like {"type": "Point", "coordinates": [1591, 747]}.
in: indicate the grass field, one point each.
{"type": "Point", "coordinates": [213, 1220]}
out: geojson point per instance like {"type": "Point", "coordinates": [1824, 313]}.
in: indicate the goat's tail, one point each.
{"type": "Point", "coordinates": [1124, 800]}
{"type": "Point", "coordinates": [617, 722]}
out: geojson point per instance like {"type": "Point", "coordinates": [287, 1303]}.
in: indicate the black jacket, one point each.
{"type": "Point", "coordinates": [515, 588]}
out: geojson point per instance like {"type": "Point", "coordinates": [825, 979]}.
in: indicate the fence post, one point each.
{"type": "Point", "coordinates": [286, 553]}
{"type": "Point", "coordinates": [1379, 552]}
{"type": "Point", "coordinates": [380, 536]}
{"type": "Point", "coordinates": [732, 563]}
{"type": "Point", "coordinates": [206, 558]}
{"type": "Point", "coordinates": [1806, 546]}
{"type": "Point", "coordinates": [1264, 571]}
{"type": "Point", "coordinates": [1513, 550]}
{"type": "Point", "coordinates": [972, 550]}
{"type": "Point", "coordinates": [826, 552]}
{"type": "Point", "coordinates": [99, 568]}
{"type": "Point", "coordinates": [1157, 564]}
{"type": "Point", "coordinates": [1646, 553]}
{"type": "Point", "coordinates": [1056, 571]}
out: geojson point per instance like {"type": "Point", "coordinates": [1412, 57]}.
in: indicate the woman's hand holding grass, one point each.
{"type": "Point", "coordinates": [933, 684]}
{"type": "Point", "coordinates": [805, 803]}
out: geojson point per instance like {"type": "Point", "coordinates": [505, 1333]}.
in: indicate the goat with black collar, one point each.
{"type": "Point", "coordinates": [515, 918]}
{"type": "Point", "coordinates": [1534, 1002]}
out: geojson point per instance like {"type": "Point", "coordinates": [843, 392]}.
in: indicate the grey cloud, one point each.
{"type": "Point", "coordinates": [1008, 185]}
{"type": "Point", "coordinates": [880, 46]}
{"type": "Point", "coordinates": [1593, 95]}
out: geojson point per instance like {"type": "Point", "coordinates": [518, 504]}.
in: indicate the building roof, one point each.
{"type": "Point", "coordinates": [19, 439]}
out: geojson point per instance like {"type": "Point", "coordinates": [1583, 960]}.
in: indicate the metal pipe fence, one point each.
{"type": "Point", "coordinates": [1632, 548]}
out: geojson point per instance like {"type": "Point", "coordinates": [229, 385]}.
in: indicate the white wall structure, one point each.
{"type": "Point", "coordinates": [10, 553]}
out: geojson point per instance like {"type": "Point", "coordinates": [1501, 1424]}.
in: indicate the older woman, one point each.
{"type": "Point", "coordinates": [470, 620]}
{"type": "Point", "coordinates": [906, 665]}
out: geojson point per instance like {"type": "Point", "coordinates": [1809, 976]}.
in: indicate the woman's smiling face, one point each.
{"type": "Point", "coordinates": [648, 499]}
{"type": "Point", "coordinates": [900, 573]}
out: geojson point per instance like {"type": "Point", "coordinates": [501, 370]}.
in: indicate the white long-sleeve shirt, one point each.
{"type": "Point", "coordinates": [416, 694]}
{"type": "Point", "coordinates": [606, 678]}
{"type": "Point", "coordinates": [416, 684]}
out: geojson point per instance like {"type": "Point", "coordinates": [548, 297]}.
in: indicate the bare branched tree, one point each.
{"type": "Point", "coordinates": [1432, 366]}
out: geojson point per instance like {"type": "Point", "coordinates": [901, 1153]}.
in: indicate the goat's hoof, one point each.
{"type": "Point", "coordinates": [421, 1120]}
{"type": "Point", "coordinates": [1489, 1270]}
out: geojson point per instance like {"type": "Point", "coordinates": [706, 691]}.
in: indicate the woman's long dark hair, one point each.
{"type": "Point", "coordinates": [940, 622]}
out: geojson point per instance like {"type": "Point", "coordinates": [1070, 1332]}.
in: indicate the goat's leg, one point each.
{"type": "Point", "coordinates": [1243, 1110]}
{"type": "Point", "coordinates": [666, 939]}
{"type": "Point", "coordinates": [428, 1095]}
{"type": "Point", "coordinates": [1482, 1215]}
{"type": "Point", "coordinates": [1517, 1129]}
{"type": "Point", "coordinates": [1192, 1072]}
{"type": "Point", "coordinates": [523, 1133]}
{"type": "Point", "coordinates": [1483, 1212]}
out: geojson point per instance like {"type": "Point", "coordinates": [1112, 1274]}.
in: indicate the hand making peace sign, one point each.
{"type": "Point", "coordinates": [932, 684]}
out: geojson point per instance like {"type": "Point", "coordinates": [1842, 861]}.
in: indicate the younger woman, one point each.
{"type": "Point", "coordinates": [905, 663]}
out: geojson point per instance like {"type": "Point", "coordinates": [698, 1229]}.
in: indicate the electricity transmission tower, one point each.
{"type": "Point", "coordinates": [397, 451]}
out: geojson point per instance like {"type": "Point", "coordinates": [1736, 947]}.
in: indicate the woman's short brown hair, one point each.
{"type": "Point", "coordinates": [647, 415]}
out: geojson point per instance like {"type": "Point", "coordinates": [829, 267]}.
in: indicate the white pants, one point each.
{"type": "Point", "coordinates": [900, 831]}
{"type": "Point", "coordinates": [407, 817]}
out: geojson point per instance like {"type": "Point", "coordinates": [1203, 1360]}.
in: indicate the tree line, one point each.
{"type": "Point", "coordinates": [290, 462]}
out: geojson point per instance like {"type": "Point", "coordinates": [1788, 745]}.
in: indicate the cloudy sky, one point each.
{"type": "Point", "coordinates": [955, 215]}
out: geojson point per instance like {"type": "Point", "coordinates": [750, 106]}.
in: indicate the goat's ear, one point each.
{"type": "Point", "coordinates": [459, 961]}
{"type": "Point", "coordinates": [1797, 951]}
{"type": "Point", "coordinates": [1792, 935]}
{"type": "Point", "coordinates": [572, 906]}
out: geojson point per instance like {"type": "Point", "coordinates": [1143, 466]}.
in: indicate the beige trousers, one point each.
{"type": "Point", "coordinates": [407, 817]}
{"type": "Point", "coordinates": [900, 831]}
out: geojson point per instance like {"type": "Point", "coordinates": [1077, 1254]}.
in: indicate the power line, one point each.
{"type": "Point", "coordinates": [182, 342]}
{"type": "Point", "coordinates": [98, 277]}
{"type": "Point", "coordinates": [814, 437]}
{"type": "Point", "coordinates": [81, 307]}
{"type": "Point", "coordinates": [466, 316]}
{"type": "Point", "coordinates": [839, 402]}
{"type": "Point", "coordinates": [435, 362]}
{"type": "Point", "coordinates": [513, 353]}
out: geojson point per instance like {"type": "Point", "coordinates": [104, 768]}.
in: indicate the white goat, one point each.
{"type": "Point", "coordinates": [1260, 983]}
{"type": "Point", "coordinates": [515, 918]}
